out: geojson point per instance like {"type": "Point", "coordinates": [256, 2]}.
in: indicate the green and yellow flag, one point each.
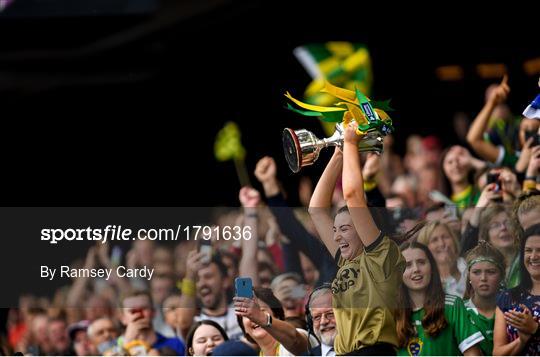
{"type": "Point", "coordinates": [345, 64]}
{"type": "Point", "coordinates": [228, 146]}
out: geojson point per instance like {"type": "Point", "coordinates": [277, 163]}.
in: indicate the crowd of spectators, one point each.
{"type": "Point", "coordinates": [433, 253]}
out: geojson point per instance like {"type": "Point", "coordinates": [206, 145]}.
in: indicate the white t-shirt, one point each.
{"type": "Point", "coordinates": [457, 287]}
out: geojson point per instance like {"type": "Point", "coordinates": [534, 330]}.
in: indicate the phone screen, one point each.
{"type": "Point", "coordinates": [206, 249]}
{"type": "Point", "coordinates": [244, 287]}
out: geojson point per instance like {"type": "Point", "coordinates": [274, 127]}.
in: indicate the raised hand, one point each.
{"type": "Point", "coordinates": [265, 170]}
{"type": "Point", "coordinates": [350, 134]}
{"type": "Point", "coordinates": [488, 195]}
{"type": "Point", "coordinates": [500, 93]}
{"type": "Point", "coordinates": [249, 308]}
{"type": "Point", "coordinates": [249, 197]}
{"type": "Point", "coordinates": [194, 263]}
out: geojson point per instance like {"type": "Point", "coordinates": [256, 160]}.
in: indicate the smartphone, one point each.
{"type": "Point", "coordinates": [534, 135]}
{"type": "Point", "coordinates": [243, 287]}
{"type": "Point", "coordinates": [205, 247]}
{"type": "Point", "coordinates": [493, 177]}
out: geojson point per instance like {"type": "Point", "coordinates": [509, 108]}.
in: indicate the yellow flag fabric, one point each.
{"type": "Point", "coordinates": [228, 145]}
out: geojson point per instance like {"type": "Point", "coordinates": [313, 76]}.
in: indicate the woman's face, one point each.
{"type": "Point", "coordinates": [442, 246]}
{"type": "Point", "coordinates": [485, 279]}
{"type": "Point", "coordinates": [254, 330]}
{"type": "Point", "coordinates": [346, 237]}
{"type": "Point", "coordinates": [417, 275]}
{"type": "Point", "coordinates": [205, 339]}
{"type": "Point", "coordinates": [532, 257]}
{"type": "Point", "coordinates": [453, 166]}
{"type": "Point", "coordinates": [499, 233]}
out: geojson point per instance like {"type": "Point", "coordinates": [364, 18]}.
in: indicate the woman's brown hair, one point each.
{"type": "Point", "coordinates": [434, 320]}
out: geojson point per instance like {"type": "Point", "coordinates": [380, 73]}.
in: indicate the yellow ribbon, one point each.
{"type": "Point", "coordinates": [315, 108]}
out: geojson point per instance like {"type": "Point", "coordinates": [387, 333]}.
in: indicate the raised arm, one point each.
{"type": "Point", "coordinates": [321, 201]}
{"type": "Point", "coordinates": [353, 189]}
{"type": "Point", "coordinates": [188, 305]}
{"type": "Point", "coordinates": [469, 238]}
{"type": "Point", "coordinates": [250, 198]}
{"type": "Point", "coordinates": [300, 238]}
{"type": "Point", "coordinates": [475, 136]}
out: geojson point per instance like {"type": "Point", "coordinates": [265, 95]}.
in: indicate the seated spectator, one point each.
{"type": "Point", "coordinates": [321, 321]}
{"type": "Point", "coordinates": [267, 273]}
{"type": "Point", "coordinates": [81, 344]}
{"type": "Point", "coordinates": [161, 286]}
{"type": "Point", "coordinates": [486, 277]}
{"type": "Point", "coordinates": [58, 337]}
{"type": "Point", "coordinates": [516, 326]}
{"type": "Point", "coordinates": [203, 337]}
{"type": "Point", "coordinates": [430, 322]}
{"type": "Point", "coordinates": [496, 227]}
{"type": "Point", "coordinates": [290, 291]}
{"type": "Point", "coordinates": [140, 336]}
{"type": "Point", "coordinates": [443, 244]}
{"type": "Point", "coordinates": [38, 337]}
{"type": "Point", "coordinates": [207, 283]}
{"type": "Point", "coordinates": [171, 306]}
{"type": "Point", "coordinates": [528, 210]}
{"type": "Point", "coordinates": [458, 167]}
{"type": "Point", "coordinates": [103, 334]}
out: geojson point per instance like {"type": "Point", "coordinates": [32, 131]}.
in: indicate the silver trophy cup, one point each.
{"type": "Point", "coordinates": [302, 147]}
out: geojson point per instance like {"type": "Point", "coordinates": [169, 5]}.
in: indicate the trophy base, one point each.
{"type": "Point", "coordinates": [292, 149]}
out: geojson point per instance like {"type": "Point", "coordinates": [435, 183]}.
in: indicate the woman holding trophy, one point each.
{"type": "Point", "coordinates": [370, 264]}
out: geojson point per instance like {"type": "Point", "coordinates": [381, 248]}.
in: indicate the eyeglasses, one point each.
{"type": "Point", "coordinates": [499, 225]}
{"type": "Point", "coordinates": [328, 315]}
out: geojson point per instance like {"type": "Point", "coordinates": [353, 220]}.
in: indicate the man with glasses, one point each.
{"type": "Point", "coordinates": [322, 317]}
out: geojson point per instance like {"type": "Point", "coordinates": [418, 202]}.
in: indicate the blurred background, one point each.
{"type": "Point", "coordinates": [118, 102]}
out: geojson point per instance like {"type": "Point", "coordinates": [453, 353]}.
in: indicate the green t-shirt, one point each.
{"type": "Point", "coordinates": [466, 198]}
{"type": "Point", "coordinates": [457, 337]}
{"type": "Point", "coordinates": [364, 296]}
{"type": "Point", "coordinates": [485, 326]}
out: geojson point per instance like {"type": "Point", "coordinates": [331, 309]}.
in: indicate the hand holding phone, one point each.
{"type": "Point", "coordinates": [205, 247]}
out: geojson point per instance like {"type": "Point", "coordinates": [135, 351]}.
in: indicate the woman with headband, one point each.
{"type": "Point", "coordinates": [486, 271]}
